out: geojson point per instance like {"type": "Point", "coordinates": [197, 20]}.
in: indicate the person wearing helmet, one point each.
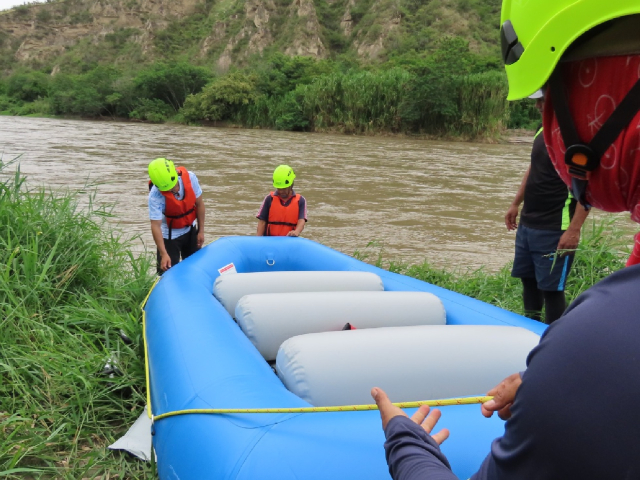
{"type": "Point", "coordinates": [547, 235]}
{"type": "Point", "coordinates": [573, 413]}
{"type": "Point", "coordinates": [176, 212]}
{"type": "Point", "coordinates": [283, 212]}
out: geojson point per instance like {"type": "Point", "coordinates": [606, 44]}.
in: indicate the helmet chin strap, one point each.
{"type": "Point", "coordinates": [582, 159]}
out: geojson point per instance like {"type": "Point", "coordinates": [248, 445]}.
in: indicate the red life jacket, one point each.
{"type": "Point", "coordinates": [180, 213]}
{"type": "Point", "coordinates": [282, 219]}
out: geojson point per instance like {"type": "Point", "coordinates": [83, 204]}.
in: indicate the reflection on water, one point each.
{"type": "Point", "coordinates": [439, 201]}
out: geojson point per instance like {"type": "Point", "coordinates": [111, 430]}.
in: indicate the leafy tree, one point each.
{"type": "Point", "coordinates": [451, 57]}
{"type": "Point", "coordinates": [28, 86]}
{"type": "Point", "coordinates": [282, 74]}
{"type": "Point", "coordinates": [152, 110]}
{"type": "Point", "coordinates": [222, 99]}
{"type": "Point", "coordinates": [524, 114]}
{"type": "Point", "coordinates": [86, 94]}
{"type": "Point", "coordinates": [171, 83]}
{"type": "Point", "coordinates": [291, 115]}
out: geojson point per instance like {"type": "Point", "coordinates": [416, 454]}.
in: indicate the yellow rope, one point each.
{"type": "Point", "coordinates": [343, 408]}
{"type": "Point", "coordinates": [146, 351]}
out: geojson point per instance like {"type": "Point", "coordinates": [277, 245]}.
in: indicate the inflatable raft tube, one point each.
{"type": "Point", "coordinates": [198, 357]}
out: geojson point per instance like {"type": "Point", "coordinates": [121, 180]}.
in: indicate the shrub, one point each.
{"type": "Point", "coordinates": [41, 106]}
{"type": "Point", "coordinates": [170, 83]}
{"type": "Point", "coordinates": [27, 86]}
{"type": "Point", "coordinates": [290, 113]}
{"type": "Point", "coordinates": [152, 110]}
{"type": "Point", "coordinates": [222, 99]}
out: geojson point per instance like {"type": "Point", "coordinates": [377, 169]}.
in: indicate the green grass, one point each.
{"type": "Point", "coordinates": [68, 284]}
{"type": "Point", "coordinates": [603, 250]}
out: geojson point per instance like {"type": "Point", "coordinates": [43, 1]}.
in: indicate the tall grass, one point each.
{"type": "Point", "coordinates": [395, 100]}
{"type": "Point", "coordinates": [68, 284]}
{"type": "Point", "coordinates": [602, 251]}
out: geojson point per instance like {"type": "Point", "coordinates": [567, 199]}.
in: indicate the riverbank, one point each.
{"type": "Point", "coordinates": [513, 136]}
{"type": "Point", "coordinates": [436, 97]}
{"type": "Point", "coordinates": [69, 288]}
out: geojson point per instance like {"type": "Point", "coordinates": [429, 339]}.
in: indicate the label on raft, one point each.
{"type": "Point", "coordinates": [231, 268]}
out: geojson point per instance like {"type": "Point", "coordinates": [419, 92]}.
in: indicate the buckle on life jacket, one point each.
{"type": "Point", "coordinates": [581, 160]}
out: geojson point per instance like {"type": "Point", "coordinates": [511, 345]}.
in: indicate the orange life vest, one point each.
{"type": "Point", "coordinates": [180, 213]}
{"type": "Point", "coordinates": [282, 219]}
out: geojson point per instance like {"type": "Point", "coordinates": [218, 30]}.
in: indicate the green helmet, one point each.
{"type": "Point", "coordinates": [535, 34]}
{"type": "Point", "coordinates": [283, 176]}
{"type": "Point", "coordinates": [163, 174]}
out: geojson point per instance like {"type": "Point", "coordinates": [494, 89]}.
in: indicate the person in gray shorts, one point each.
{"type": "Point", "coordinates": [547, 235]}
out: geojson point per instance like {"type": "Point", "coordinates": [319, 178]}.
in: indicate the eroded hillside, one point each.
{"type": "Point", "coordinates": [70, 35]}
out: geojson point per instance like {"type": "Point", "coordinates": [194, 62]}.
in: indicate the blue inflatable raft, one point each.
{"type": "Point", "coordinates": [198, 358]}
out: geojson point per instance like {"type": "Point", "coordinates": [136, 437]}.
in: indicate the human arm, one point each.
{"type": "Point", "coordinates": [412, 452]}
{"type": "Point", "coordinates": [156, 232]}
{"type": "Point", "coordinates": [571, 237]}
{"type": "Point", "coordinates": [263, 216]}
{"type": "Point", "coordinates": [296, 231]}
{"type": "Point", "coordinates": [200, 217]}
{"type": "Point", "coordinates": [156, 209]}
{"type": "Point", "coordinates": [302, 218]}
{"type": "Point", "coordinates": [510, 218]}
{"type": "Point", "coordinates": [262, 228]}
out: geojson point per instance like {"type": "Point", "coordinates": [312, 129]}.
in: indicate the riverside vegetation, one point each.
{"type": "Point", "coordinates": [69, 284]}
{"type": "Point", "coordinates": [403, 66]}
{"type": "Point", "coordinates": [451, 92]}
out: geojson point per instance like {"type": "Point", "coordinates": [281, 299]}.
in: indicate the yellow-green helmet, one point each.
{"type": "Point", "coordinates": [283, 176]}
{"type": "Point", "coordinates": [163, 174]}
{"type": "Point", "coordinates": [535, 34]}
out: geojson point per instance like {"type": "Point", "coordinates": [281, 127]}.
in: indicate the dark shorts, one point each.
{"type": "Point", "coordinates": [183, 246]}
{"type": "Point", "coordinates": [535, 258]}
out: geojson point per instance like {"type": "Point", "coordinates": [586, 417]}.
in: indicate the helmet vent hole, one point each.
{"type": "Point", "coordinates": [553, 49]}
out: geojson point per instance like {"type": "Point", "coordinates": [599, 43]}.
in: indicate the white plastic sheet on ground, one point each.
{"type": "Point", "coordinates": [137, 440]}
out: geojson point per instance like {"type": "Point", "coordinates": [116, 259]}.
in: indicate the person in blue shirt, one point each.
{"type": "Point", "coordinates": [573, 413]}
{"type": "Point", "coordinates": [176, 212]}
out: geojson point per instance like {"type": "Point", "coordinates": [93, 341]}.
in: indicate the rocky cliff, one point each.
{"type": "Point", "coordinates": [66, 34]}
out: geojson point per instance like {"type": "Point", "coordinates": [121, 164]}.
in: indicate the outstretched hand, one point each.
{"type": "Point", "coordinates": [427, 420]}
{"type": "Point", "coordinates": [503, 396]}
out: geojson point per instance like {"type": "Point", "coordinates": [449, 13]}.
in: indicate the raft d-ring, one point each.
{"type": "Point", "coordinates": [271, 263]}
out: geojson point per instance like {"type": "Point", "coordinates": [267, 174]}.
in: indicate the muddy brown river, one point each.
{"type": "Point", "coordinates": [412, 199]}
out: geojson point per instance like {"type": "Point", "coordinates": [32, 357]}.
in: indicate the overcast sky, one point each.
{"type": "Point", "coordinates": [4, 4]}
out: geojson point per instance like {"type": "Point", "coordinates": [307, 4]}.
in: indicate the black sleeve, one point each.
{"type": "Point", "coordinates": [576, 412]}
{"type": "Point", "coordinates": [302, 205]}
{"type": "Point", "coordinates": [412, 454]}
{"type": "Point", "coordinates": [263, 213]}
{"type": "Point", "coordinates": [563, 423]}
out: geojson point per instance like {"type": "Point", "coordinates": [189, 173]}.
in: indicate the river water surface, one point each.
{"type": "Point", "coordinates": [417, 200]}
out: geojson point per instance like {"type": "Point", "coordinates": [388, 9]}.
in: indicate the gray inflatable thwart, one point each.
{"type": "Point", "coordinates": [409, 363]}
{"type": "Point", "coordinates": [228, 289]}
{"type": "Point", "coordinates": [270, 319]}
